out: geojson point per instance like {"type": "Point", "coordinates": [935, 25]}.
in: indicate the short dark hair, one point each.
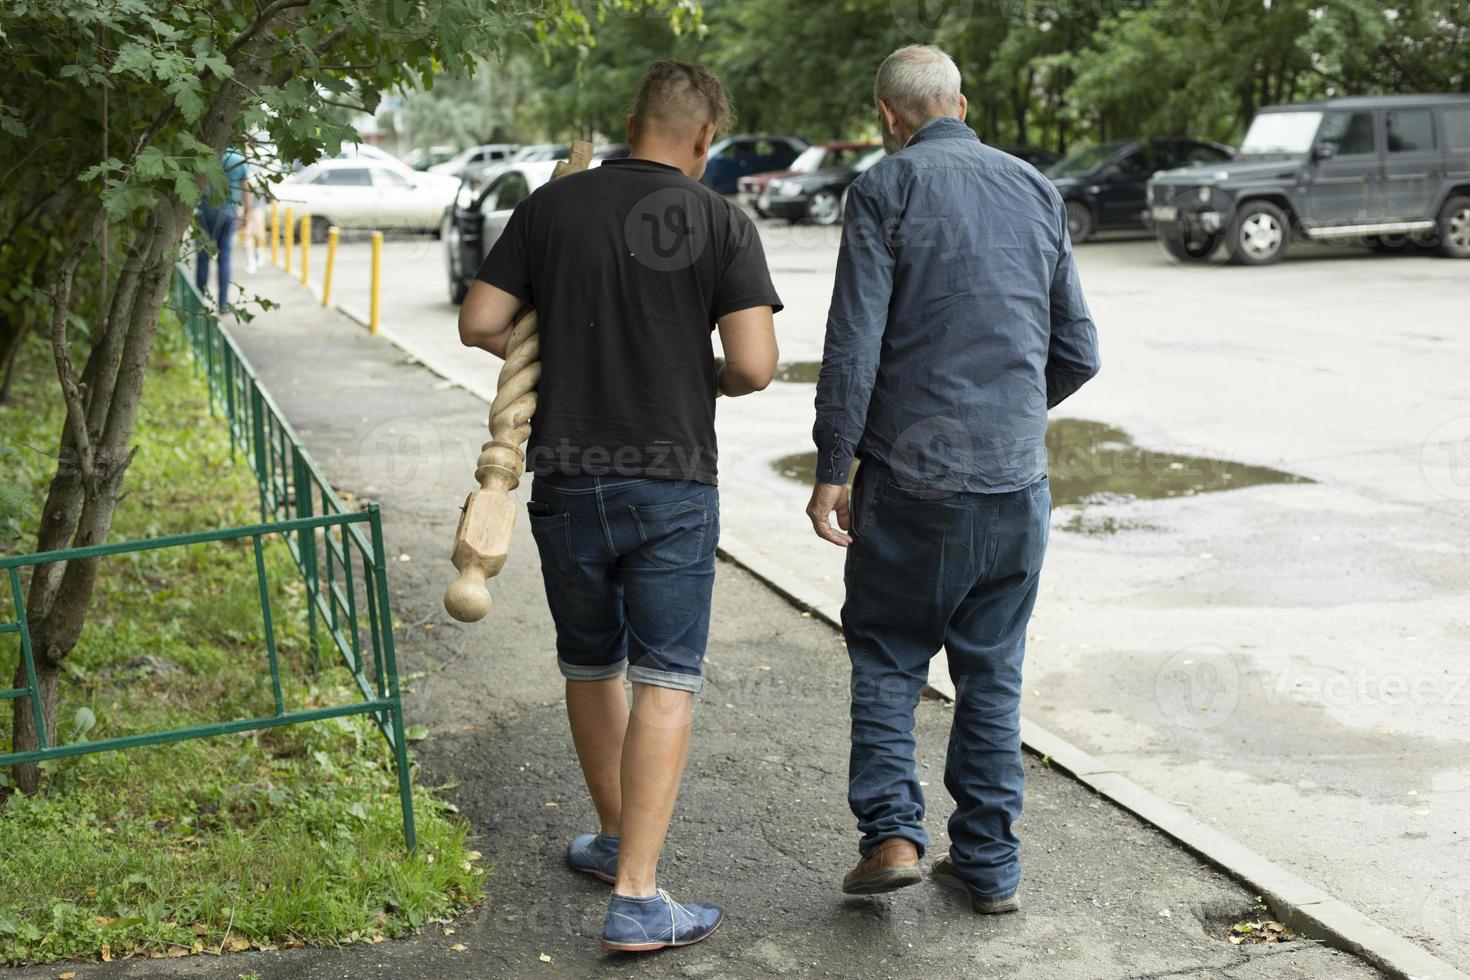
{"type": "Point", "coordinates": [680, 92]}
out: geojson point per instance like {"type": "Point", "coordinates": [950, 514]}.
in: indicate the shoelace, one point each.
{"type": "Point", "coordinates": [673, 915]}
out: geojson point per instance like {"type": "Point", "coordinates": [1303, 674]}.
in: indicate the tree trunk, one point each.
{"type": "Point", "coordinates": [79, 511]}
{"type": "Point", "coordinates": [48, 679]}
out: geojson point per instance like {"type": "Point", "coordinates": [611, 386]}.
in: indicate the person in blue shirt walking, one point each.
{"type": "Point", "coordinates": [217, 215]}
{"type": "Point", "coordinates": [957, 321]}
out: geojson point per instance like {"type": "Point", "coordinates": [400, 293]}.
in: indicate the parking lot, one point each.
{"type": "Point", "coordinates": [1285, 657]}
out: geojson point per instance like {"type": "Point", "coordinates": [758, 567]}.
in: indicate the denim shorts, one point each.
{"type": "Point", "coordinates": [629, 566]}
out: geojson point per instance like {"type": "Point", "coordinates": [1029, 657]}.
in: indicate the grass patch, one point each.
{"type": "Point", "coordinates": [278, 838]}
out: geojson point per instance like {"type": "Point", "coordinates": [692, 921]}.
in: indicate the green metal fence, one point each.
{"type": "Point", "coordinates": [338, 552]}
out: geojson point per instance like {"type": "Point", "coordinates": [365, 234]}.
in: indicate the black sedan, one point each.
{"type": "Point", "coordinates": [819, 196]}
{"type": "Point", "coordinates": [1105, 185]}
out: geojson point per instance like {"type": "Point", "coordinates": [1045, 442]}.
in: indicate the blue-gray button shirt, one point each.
{"type": "Point", "coordinates": [957, 319]}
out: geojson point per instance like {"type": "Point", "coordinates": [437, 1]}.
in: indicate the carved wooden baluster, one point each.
{"type": "Point", "coordinates": [482, 540]}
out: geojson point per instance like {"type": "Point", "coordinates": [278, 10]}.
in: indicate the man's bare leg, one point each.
{"type": "Point", "coordinates": [598, 711]}
{"type": "Point", "coordinates": [654, 752]}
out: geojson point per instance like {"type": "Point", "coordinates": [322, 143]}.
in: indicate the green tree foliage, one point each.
{"type": "Point", "coordinates": [1048, 72]}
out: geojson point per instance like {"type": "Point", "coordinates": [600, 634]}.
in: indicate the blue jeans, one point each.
{"type": "Point", "coordinates": [957, 570]}
{"type": "Point", "coordinates": [629, 566]}
{"type": "Point", "coordinates": [218, 226]}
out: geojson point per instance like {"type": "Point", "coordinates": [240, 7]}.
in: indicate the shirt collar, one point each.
{"type": "Point", "coordinates": [940, 128]}
{"type": "Point", "coordinates": [636, 162]}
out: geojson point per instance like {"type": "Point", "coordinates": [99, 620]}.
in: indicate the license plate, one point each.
{"type": "Point", "coordinates": [1166, 214]}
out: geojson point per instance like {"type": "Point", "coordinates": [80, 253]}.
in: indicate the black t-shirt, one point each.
{"type": "Point", "coordinates": [629, 265]}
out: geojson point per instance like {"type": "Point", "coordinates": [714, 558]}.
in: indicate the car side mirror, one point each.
{"type": "Point", "coordinates": [1323, 151]}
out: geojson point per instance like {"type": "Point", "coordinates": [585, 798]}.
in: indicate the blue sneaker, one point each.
{"type": "Point", "coordinates": [638, 925]}
{"type": "Point", "coordinates": [596, 855]}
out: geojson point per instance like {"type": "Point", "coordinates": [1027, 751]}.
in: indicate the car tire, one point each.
{"type": "Point", "coordinates": [319, 228]}
{"type": "Point", "coordinates": [1259, 234]}
{"type": "Point", "coordinates": [1454, 228]}
{"type": "Point", "coordinates": [1187, 247]}
{"type": "Point", "coordinates": [825, 208]}
{"type": "Point", "coordinates": [1081, 225]}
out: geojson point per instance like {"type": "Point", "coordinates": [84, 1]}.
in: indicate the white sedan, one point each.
{"type": "Point", "coordinates": [369, 194]}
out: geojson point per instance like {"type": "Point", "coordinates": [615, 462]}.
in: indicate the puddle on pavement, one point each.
{"type": "Point", "coordinates": [1093, 464]}
{"type": "Point", "coordinates": [799, 372]}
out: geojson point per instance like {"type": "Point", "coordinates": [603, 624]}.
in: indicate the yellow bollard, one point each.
{"type": "Point", "coordinates": [290, 237]}
{"type": "Point", "coordinates": [333, 233]}
{"type": "Point", "coordinates": [305, 246]}
{"type": "Point", "coordinates": [377, 268]}
{"type": "Point", "coordinates": [275, 233]}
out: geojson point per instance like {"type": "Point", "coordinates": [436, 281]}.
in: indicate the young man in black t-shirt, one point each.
{"type": "Point", "coordinates": [630, 267]}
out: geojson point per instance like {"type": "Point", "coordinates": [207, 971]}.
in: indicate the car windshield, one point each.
{"type": "Point", "coordinates": [1083, 161]}
{"type": "Point", "coordinates": [1281, 132]}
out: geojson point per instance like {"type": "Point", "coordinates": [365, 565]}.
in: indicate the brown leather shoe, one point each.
{"type": "Point", "coordinates": [894, 863]}
{"type": "Point", "coordinates": [943, 873]}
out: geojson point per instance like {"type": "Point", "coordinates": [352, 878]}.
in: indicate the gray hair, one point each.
{"type": "Point", "coordinates": [918, 82]}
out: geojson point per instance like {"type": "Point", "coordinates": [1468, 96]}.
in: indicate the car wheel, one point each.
{"type": "Point", "coordinates": [824, 208]}
{"type": "Point", "coordinates": [1259, 234]}
{"type": "Point", "coordinates": [1080, 222]}
{"type": "Point", "coordinates": [1454, 228]}
{"type": "Point", "coordinates": [1189, 246]}
{"type": "Point", "coordinates": [319, 227]}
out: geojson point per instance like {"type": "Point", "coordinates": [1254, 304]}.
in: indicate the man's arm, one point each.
{"type": "Point", "coordinates": [855, 324]}
{"type": "Point", "coordinates": [1072, 358]}
{"type": "Point", "coordinates": [749, 339]}
{"type": "Point", "coordinates": [486, 317]}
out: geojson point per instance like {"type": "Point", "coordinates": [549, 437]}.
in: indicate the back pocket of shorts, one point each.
{"type": "Point", "coordinates": [673, 534]}
{"type": "Point", "coordinates": [553, 534]}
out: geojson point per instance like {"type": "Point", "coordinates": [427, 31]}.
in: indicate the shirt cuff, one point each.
{"type": "Point", "coordinates": [833, 464]}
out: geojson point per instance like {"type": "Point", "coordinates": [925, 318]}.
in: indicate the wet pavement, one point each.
{"type": "Point", "coordinates": [1095, 463]}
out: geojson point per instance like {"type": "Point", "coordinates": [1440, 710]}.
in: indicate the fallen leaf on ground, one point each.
{"type": "Point", "coordinates": [459, 947]}
{"type": "Point", "coordinates": [545, 958]}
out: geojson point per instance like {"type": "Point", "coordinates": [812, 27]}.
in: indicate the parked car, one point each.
{"type": "Point", "coordinates": [1105, 185]}
{"type": "Point", "coordinates": [534, 153]}
{"type": "Point", "coordinates": [1390, 169]}
{"type": "Point", "coordinates": [1034, 155]}
{"type": "Point", "coordinates": [365, 192]}
{"type": "Point", "coordinates": [819, 197]}
{"type": "Point", "coordinates": [818, 156]}
{"type": "Point", "coordinates": [471, 163]}
{"type": "Point", "coordinates": [473, 222]}
{"type": "Point", "coordinates": [737, 156]}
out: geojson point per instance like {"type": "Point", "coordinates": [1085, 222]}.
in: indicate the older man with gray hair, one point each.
{"type": "Point", "coordinates": [957, 320]}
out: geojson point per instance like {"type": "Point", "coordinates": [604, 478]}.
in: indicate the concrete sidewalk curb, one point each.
{"type": "Point", "coordinates": [1305, 907]}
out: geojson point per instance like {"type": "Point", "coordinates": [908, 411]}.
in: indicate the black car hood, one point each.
{"type": "Point", "coordinates": [1234, 171]}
